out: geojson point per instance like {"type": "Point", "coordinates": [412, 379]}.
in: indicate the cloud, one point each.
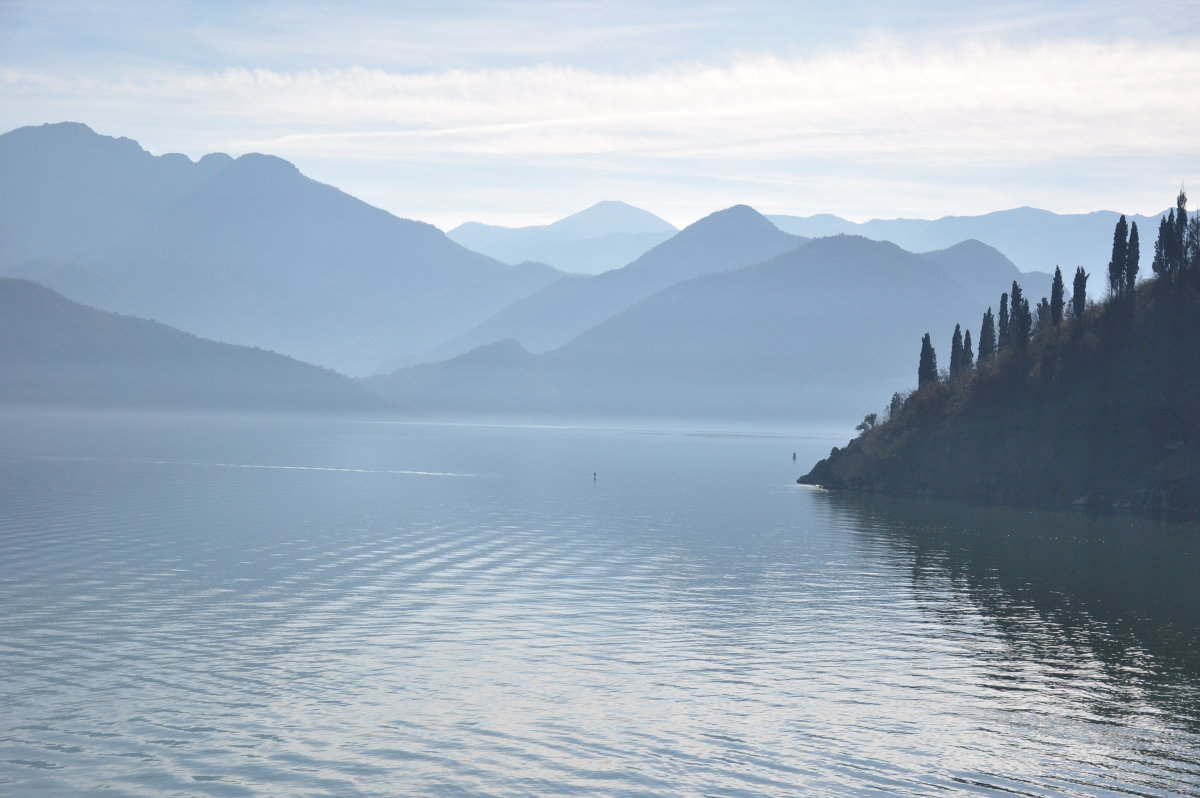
{"type": "Point", "coordinates": [940, 106]}
{"type": "Point", "coordinates": [912, 116]}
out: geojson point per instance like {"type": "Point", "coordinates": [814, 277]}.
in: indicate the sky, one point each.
{"type": "Point", "coordinates": [524, 112]}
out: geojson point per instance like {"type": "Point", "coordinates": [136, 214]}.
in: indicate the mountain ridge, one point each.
{"type": "Point", "coordinates": [246, 250]}
{"type": "Point", "coordinates": [604, 236]}
{"type": "Point", "coordinates": [725, 344]}
{"type": "Point", "coordinates": [1033, 238]}
{"type": "Point", "coordinates": [56, 352]}
{"type": "Point", "coordinates": [543, 320]}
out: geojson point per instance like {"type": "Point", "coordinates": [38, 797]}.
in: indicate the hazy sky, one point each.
{"type": "Point", "coordinates": [522, 112]}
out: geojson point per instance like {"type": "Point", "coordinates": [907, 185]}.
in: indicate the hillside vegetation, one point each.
{"type": "Point", "coordinates": [1097, 406]}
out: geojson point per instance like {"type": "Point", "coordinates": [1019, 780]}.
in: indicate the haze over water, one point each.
{"type": "Point", "coordinates": [224, 606]}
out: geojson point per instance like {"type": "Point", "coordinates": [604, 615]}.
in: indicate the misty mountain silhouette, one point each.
{"type": "Point", "coordinates": [605, 236]}
{"type": "Point", "coordinates": [245, 250]}
{"type": "Point", "coordinates": [67, 194]}
{"type": "Point", "coordinates": [548, 318]}
{"type": "Point", "coordinates": [728, 317]}
{"type": "Point", "coordinates": [1034, 239]}
{"type": "Point", "coordinates": [57, 352]}
{"type": "Point", "coordinates": [987, 273]}
{"type": "Point", "coordinates": [609, 216]}
{"type": "Point", "coordinates": [496, 378]}
{"type": "Point", "coordinates": [825, 330]}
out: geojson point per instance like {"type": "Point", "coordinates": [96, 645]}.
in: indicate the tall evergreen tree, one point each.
{"type": "Point", "coordinates": [1021, 326]}
{"type": "Point", "coordinates": [1043, 318]}
{"type": "Point", "coordinates": [956, 342]}
{"type": "Point", "coordinates": [987, 336]}
{"type": "Point", "coordinates": [1116, 264]}
{"type": "Point", "coordinates": [1132, 257]}
{"type": "Point", "coordinates": [1163, 259]}
{"type": "Point", "coordinates": [1056, 296]}
{"type": "Point", "coordinates": [1002, 341]}
{"type": "Point", "coordinates": [967, 361]}
{"type": "Point", "coordinates": [1179, 246]}
{"type": "Point", "coordinates": [927, 369]}
{"type": "Point", "coordinates": [1020, 323]}
{"type": "Point", "coordinates": [1193, 243]}
{"type": "Point", "coordinates": [1079, 293]}
{"type": "Point", "coordinates": [1171, 245]}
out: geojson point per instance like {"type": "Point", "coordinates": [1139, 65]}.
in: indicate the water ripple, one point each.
{"type": "Point", "coordinates": [193, 625]}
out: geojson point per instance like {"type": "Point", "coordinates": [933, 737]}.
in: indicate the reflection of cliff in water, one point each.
{"type": "Point", "coordinates": [1067, 593]}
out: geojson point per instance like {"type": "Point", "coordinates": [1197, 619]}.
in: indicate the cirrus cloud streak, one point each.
{"type": "Point", "coordinates": [882, 105]}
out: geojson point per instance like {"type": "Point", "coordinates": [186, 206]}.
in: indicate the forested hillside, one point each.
{"type": "Point", "coordinates": [1062, 402]}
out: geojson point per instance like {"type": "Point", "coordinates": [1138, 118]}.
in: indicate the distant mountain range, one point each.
{"type": "Point", "coordinates": [243, 250]}
{"type": "Point", "coordinates": [606, 236]}
{"type": "Point", "coordinates": [550, 317]}
{"type": "Point", "coordinates": [729, 317]}
{"type": "Point", "coordinates": [55, 352]}
{"type": "Point", "coordinates": [825, 329]}
{"type": "Point", "coordinates": [1035, 240]}
{"type": "Point", "coordinates": [986, 273]}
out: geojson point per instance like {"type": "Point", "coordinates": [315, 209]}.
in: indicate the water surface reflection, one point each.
{"type": "Point", "coordinates": [374, 609]}
{"type": "Point", "coordinates": [1110, 598]}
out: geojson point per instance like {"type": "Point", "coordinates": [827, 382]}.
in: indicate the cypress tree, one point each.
{"type": "Point", "coordinates": [1132, 257]}
{"type": "Point", "coordinates": [956, 343]}
{"type": "Point", "coordinates": [927, 369]}
{"type": "Point", "coordinates": [1180, 238]}
{"type": "Point", "coordinates": [1020, 326]}
{"type": "Point", "coordinates": [1162, 245]}
{"type": "Point", "coordinates": [1079, 293]}
{"type": "Point", "coordinates": [1025, 328]}
{"type": "Point", "coordinates": [1056, 294]}
{"type": "Point", "coordinates": [1193, 244]}
{"type": "Point", "coordinates": [1002, 341]}
{"type": "Point", "coordinates": [1044, 316]}
{"type": "Point", "coordinates": [967, 360]}
{"type": "Point", "coordinates": [1116, 265]}
{"type": "Point", "coordinates": [987, 336]}
{"type": "Point", "coordinates": [1171, 246]}
{"type": "Point", "coordinates": [1020, 322]}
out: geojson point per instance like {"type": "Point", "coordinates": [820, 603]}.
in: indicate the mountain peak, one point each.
{"type": "Point", "coordinates": [973, 248]}
{"type": "Point", "coordinates": [735, 219]}
{"type": "Point", "coordinates": [58, 137]}
{"type": "Point", "coordinates": [726, 239]}
{"type": "Point", "coordinates": [855, 247]}
{"type": "Point", "coordinates": [257, 163]}
{"type": "Point", "coordinates": [610, 216]}
{"type": "Point", "coordinates": [976, 265]}
{"type": "Point", "coordinates": [214, 159]}
{"type": "Point", "coordinates": [63, 128]}
{"type": "Point", "coordinates": [60, 130]}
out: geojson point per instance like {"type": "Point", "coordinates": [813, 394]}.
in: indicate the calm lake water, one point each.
{"type": "Point", "coordinates": [227, 607]}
